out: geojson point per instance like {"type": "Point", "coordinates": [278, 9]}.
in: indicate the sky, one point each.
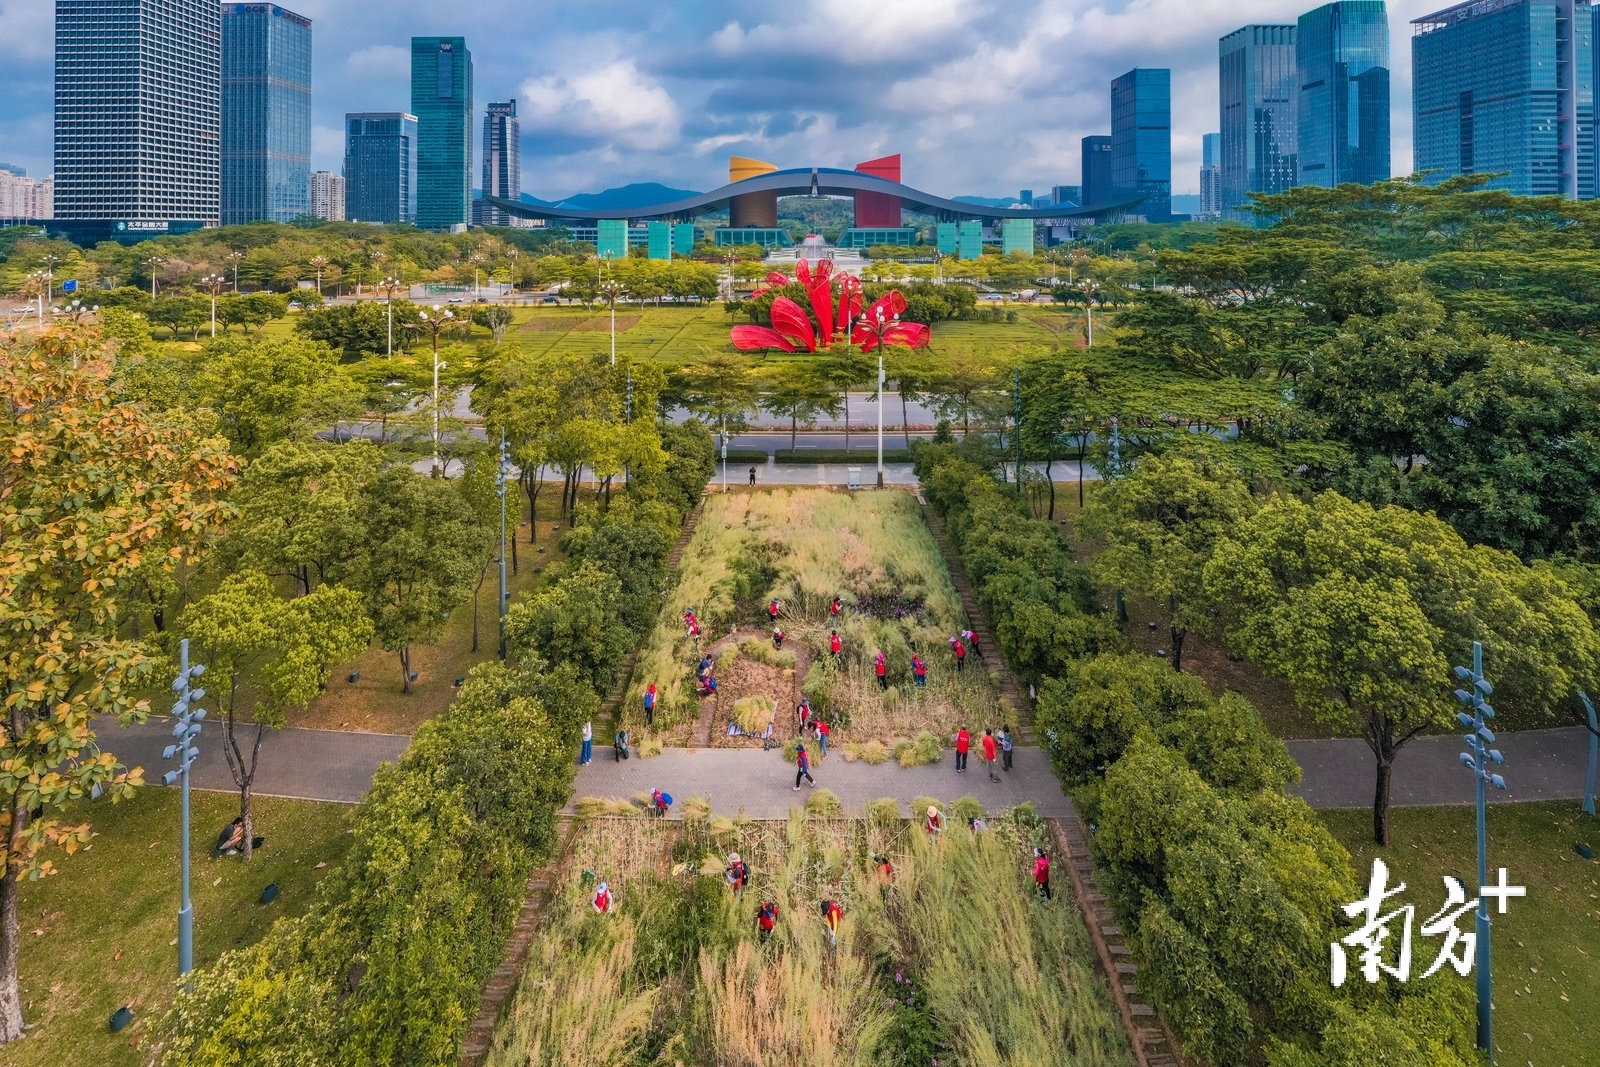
{"type": "Point", "coordinates": [981, 97]}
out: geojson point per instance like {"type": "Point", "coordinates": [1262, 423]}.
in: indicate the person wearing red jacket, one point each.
{"type": "Point", "coordinates": [835, 646]}
{"type": "Point", "coordinates": [603, 899]}
{"type": "Point", "coordinates": [989, 752]}
{"type": "Point", "coordinates": [774, 609]}
{"type": "Point", "coordinates": [880, 666]}
{"type": "Point", "coordinates": [1041, 871]}
{"type": "Point", "coordinates": [767, 918]}
{"type": "Point", "coordinates": [919, 670]}
{"type": "Point", "coordinates": [802, 764]}
{"type": "Point", "coordinates": [836, 607]}
{"type": "Point", "coordinates": [963, 745]}
{"type": "Point", "coordinates": [971, 638]}
{"type": "Point", "coordinates": [961, 653]}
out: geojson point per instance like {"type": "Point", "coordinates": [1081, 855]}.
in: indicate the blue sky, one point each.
{"type": "Point", "coordinates": [980, 96]}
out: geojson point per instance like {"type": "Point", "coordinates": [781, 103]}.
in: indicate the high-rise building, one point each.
{"type": "Point", "coordinates": [327, 196]}
{"type": "Point", "coordinates": [1507, 85]}
{"type": "Point", "coordinates": [1342, 58]}
{"type": "Point", "coordinates": [1211, 176]}
{"type": "Point", "coordinates": [502, 164]}
{"type": "Point", "coordinates": [22, 197]}
{"type": "Point", "coordinates": [1260, 92]}
{"type": "Point", "coordinates": [1141, 139]}
{"type": "Point", "coordinates": [1096, 173]}
{"type": "Point", "coordinates": [137, 112]}
{"type": "Point", "coordinates": [266, 113]}
{"type": "Point", "coordinates": [441, 98]}
{"type": "Point", "coordinates": [1066, 194]}
{"type": "Point", "coordinates": [380, 167]}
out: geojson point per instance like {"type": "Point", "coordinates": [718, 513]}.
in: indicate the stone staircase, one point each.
{"type": "Point", "coordinates": [1152, 1045]}
{"type": "Point", "coordinates": [1011, 693]}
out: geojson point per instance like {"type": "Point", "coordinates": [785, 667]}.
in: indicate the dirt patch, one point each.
{"type": "Point", "coordinates": [747, 677]}
{"type": "Point", "coordinates": [590, 324]}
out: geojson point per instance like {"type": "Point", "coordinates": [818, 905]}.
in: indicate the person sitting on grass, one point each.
{"type": "Point", "coordinates": [231, 841]}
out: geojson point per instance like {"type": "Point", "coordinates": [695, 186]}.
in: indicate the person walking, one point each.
{"type": "Point", "coordinates": [989, 750]}
{"type": "Point", "coordinates": [961, 653]}
{"type": "Point", "coordinates": [835, 646]}
{"type": "Point", "coordinates": [934, 823]}
{"type": "Point", "coordinates": [777, 638]}
{"type": "Point", "coordinates": [802, 715]}
{"type": "Point", "coordinates": [963, 745]}
{"type": "Point", "coordinates": [971, 638]}
{"type": "Point", "coordinates": [774, 609]}
{"type": "Point", "coordinates": [1041, 871]}
{"type": "Point", "coordinates": [738, 874]}
{"type": "Point", "coordinates": [823, 732]}
{"type": "Point", "coordinates": [588, 745]}
{"type": "Point", "coordinates": [1005, 748]}
{"type": "Point", "coordinates": [880, 667]}
{"type": "Point", "coordinates": [752, 476]}
{"type": "Point", "coordinates": [919, 670]}
{"type": "Point", "coordinates": [802, 764]}
{"type": "Point", "coordinates": [836, 607]}
{"type": "Point", "coordinates": [650, 705]}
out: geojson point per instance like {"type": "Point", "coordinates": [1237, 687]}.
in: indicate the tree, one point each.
{"type": "Point", "coordinates": [722, 386]}
{"type": "Point", "coordinates": [418, 555]}
{"type": "Point", "coordinates": [272, 390]}
{"type": "Point", "coordinates": [577, 621]}
{"type": "Point", "coordinates": [1160, 524]}
{"type": "Point", "coordinates": [798, 391]}
{"type": "Point", "coordinates": [846, 366]}
{"type": "Point", "coordinates": [1364, 610]}
{"type": "Point", "coordinates": [496, 319]}
{"type": "Point", "coordinates": [89, 491]}
{"type": "Point", "coordinates": [266, 657]}
{"type": "Point", "coordinates": [956, 379]}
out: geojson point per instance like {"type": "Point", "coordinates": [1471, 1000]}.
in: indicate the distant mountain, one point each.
{"type": "Point", "coordinates": [988, 201]}
{"type": "Point", "coordinates": [625, 198]}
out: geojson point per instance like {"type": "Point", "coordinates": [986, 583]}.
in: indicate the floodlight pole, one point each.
{"type": "Point", "coordinates": [1594, 754]}
{"type": "Point", "coordinates": [189, 719]}
{"type": "Point", "coordinates": [1477, 760]}
{"type": "Point", "coordinates": [503, 471]}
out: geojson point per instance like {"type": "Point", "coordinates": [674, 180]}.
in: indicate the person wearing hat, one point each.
{"type": "Point", "coordinates": [1041, 871]}
{"type": "Point", "coordinates": [934, 823]}
{"type": "Point", "coordinates": [738, 874]}
{"type": "Point", "coordinates": [602, 899]}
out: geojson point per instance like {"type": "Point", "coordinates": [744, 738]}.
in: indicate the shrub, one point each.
{"type": "Point", "coordinates": [696, 808]}
{"type": "Point", "coordinates": [874, 753]}
{"type": "Point", "coordinates": [824, 804]}
{"type": "Point", "coordinates": [884, 811]}
{"type": "Point", "coordinates": [650, 746]}
{"type": "Point", "coordinates": [927, 747]}
{"type": "Point", "coordinates": [727, 658]}
{"type": "Point", "coordinates": [851, 751]}
{"type": "Point", "coordinates": [963, 809]}
{"type": "Point", "coordinates": [753, 714]}
{"type": "Point", "coordinates": [905, 752]}
{"type": "Point", "coordinates": [595, 807]}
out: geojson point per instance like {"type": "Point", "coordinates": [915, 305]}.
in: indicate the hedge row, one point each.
{"type": "Point", "coordinates": [1231, 890]}
{"type": "Point", "coordinates": [388, 965]}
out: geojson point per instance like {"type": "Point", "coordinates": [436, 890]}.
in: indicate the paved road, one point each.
{"type": "Point", "coordinates": [761, 784]}
{"type": "Point", "coordinates": [332, 765]}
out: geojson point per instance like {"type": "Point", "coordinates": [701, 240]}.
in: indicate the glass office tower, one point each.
{"type": "Point", "coordinates": [1342, 53]}
{"type": "Point", "coordinates": [1096, 173]}
{"type": "Point", "coordinates": [1211, 176]}
{"type": "Point", "coordinates": [1507, 85]}
{"type": "Point", "coordinates": [441, 98]}
{"type": "Point", "coordinates": [266, 114]}
{"type": "Point", "coordinates": [380, 167]}
{"type": "Point", "coordinates": [502, 163]}
{"type": "Point", "coordinates": [137, 106]}
{"type": "Point", "coordinates": [1141, 140]}
{"type": "Point", "coordinates": [1259, 91]}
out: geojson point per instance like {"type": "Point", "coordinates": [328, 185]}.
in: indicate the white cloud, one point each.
{"type": "Point", "coordinates": [850, 30]}
{"type": "Point", "coordinates": [384, 61]}
{"type": "Point", "coordinates": [612, 100]}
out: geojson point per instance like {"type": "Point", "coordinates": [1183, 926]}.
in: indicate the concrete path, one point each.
{"type": "Point", "coordinates": [1540, 765]}
{"type": "Point", "coordinates": [761, 784]}
{"type": "Point", "coordinates": [335, 765]}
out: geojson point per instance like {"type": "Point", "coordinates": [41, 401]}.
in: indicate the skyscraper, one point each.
{"type": "Point", "coordinates": [327, 196]}
{"type": "Point", "coordinates": [1342, 55]}
{"type": "Point", "coordinates": [441, 98]}
{"type": "Point", "coordinates": [1141, 139]}
{"type": "Point", "coordinates": [380, 167]}
{"type": "Point", "coordinates": [502, 163]}
{"type": "Point", "coordinates": [1260, 91]}
{"type": "Point", "coordinates": [1211, 176]}
{"type": "Point", "coordinates": [137, 107]}
{"type": "Point", "coordinates": [1096, 173]}
{"type": "Point", "coordinates": [266, 113]}
{"type": "Point", "coordinates": [1507, 85]}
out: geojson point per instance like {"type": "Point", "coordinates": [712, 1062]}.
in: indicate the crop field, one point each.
{"type": "Point", "coordinates": [804, 547]}
{"type": "Point", "coordinates": [952, 958]}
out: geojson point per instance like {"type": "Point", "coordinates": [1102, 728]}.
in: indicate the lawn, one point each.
{"type": "Point", "coordinates": [103, 933]}
{"type": "Point", "coordinates": [1547, 945]}
{"type": "Point", "coordinates": [954, 959]}
{"type": "Point", "coordinates": [806, 546]}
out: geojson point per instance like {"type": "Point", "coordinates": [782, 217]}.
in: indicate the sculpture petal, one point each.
{"type": "Point", "coordinates": [802, 273]}
{"type": "Point", "coordinates": [791, 320]}
{"type": "Point", "coordinates": [822, 303]}
{"type": "Point", "coordinates": [750, 338]}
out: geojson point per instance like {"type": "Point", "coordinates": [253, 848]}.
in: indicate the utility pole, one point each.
{"type": "Point", "coordinates": [189, 720]}
{"type": "Point", "coordinates": [502, 474]}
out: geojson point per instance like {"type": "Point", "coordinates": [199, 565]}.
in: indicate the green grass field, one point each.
{"type": "Point", "coordinates": [1547, 945]}
{"type": "Point", "coordinates": [103, 932]}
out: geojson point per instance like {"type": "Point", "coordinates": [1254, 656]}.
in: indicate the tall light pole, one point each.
{"type": "Point", "coordinates": [37, 282]}
{"type": "Point", "coordinates": [189, 719]}
{"type": "Point", "coordinates": [880, 325]}
{"type": "Point", "coordinates": [435, 322]}
{"type": "Point", "coordinates": [476, 259]}
{"type": "Point", "coordinates": [317, 263]}
{"type": "Point", "coordinates": [234, 257]}
{"type": "Point", "coordinates": [1089, 289]}
{"type": "Point", "coordinates": [1477, 759]}
{"type": "Point", "coordinates": [153, 262]}
{"type": "Point", "coordinates": [611, 291]}
{"type": "Point", "coordinates": [502, 475]}
{"type": "Point", "coordinates": [390, 286]}
{"type": "Point", "coordinates": [511, 272]}
{"type": "Point", "coordinates": [213, 283]}
{"type": "Point", "coordinates": [50, 259]}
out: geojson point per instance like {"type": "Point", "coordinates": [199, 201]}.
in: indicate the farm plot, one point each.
{"type": "Point", "coordinates": [804, 548]}
{"type": "Point", "coordinates": [950, 957]}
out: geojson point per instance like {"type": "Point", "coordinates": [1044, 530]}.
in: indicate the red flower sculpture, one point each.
{"type": "Point", "coordinates": [792, 329]}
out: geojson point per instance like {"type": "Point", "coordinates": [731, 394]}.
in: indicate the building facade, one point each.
{"type": "Point", "coordinates": [1141, 139]}
{"type": "Point", "coordinates": [327, 196]}
{"type": "Point", "coordinates": [1507, 85]}
{"type": "Point", "coordinates": [1342, 59]}
{"type": "Point", "coordinates": [1211, 176]}
{"type": "Point", "coordinates": [266, 114]}
{"type": "Point", "coordinates": [380, 167]}
{"type": "Point", "coordinates": [22, 197]}
{"type": "Point", "coordinates": [1259, 96]}
{"type": "Point", "coordinates": [138, 87]}
{"type": "Point", "coordinates": [1096, 171]}
{"type": "Point", "coordinates": [441, 99]}
{"type": "Point", "coordinates": [502, 163]}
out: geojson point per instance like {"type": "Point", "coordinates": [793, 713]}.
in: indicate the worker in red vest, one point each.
{"type": "Point", "coordinates": [963, 745]}
{"type": "Point", "coordinates": [835, 646]}
{"type": "Point", "coordinates": [961, 652]}
{"type": "Point", "coordinates": [880, 666]}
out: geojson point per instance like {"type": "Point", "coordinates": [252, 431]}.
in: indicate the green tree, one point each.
{"type": "Point", "coordinates": [798, 391]}
{"type": "Point", "coordinates": [845, 367]}
{"type": "Point", "coordinates": [721, 386]}
{"type": "Point", "coordinates": [1160, 524]}
{"type": "Point", "coordinates": [1363, 611]}
{"type": "Point", "coordinates": [273, 390]}
{"type": "Point", "coordinates": [577, 621]}
{"type": "Point", "coordinates": [417, 558]}
{"type": "Point", "coordinates": [496, 319]}
{"type": "Point", "coordinates": [266, 657]}
{"type": "Point", "coordinates": [90, 491]}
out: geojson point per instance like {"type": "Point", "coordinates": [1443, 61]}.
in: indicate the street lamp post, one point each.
{"type": "Point", "coordinates": [436, 323]}
{"type": "Point", "coordinates": [317, 263]}
{"type": "Point", "coordinates": [153, 262]}
{"type": "Point", "coordinates": [611, 291]}
{"type": "Point", "coordinates": [390, 286]}
{"type": "Point", "coordinates": [1477, 760]}
{"type": "Point", "coordinates": [879, 325]}
{"type": "Point", "coordinates": [50, 259]}
{"type": "Point", "coordinates": [38, 280]}
{"type": "Point", "coordinates": [213, 283]}
{"type": "Point", "coordinates": [189, 718]}
{"type": "Point", "coordinates": [476, 259]}
{"type": "Point", "coordinates": [1088, 288]}
{"type": "Point", "coordinates": [502, 475]}
{"type": "Point", "coordinates": [234, 257]}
